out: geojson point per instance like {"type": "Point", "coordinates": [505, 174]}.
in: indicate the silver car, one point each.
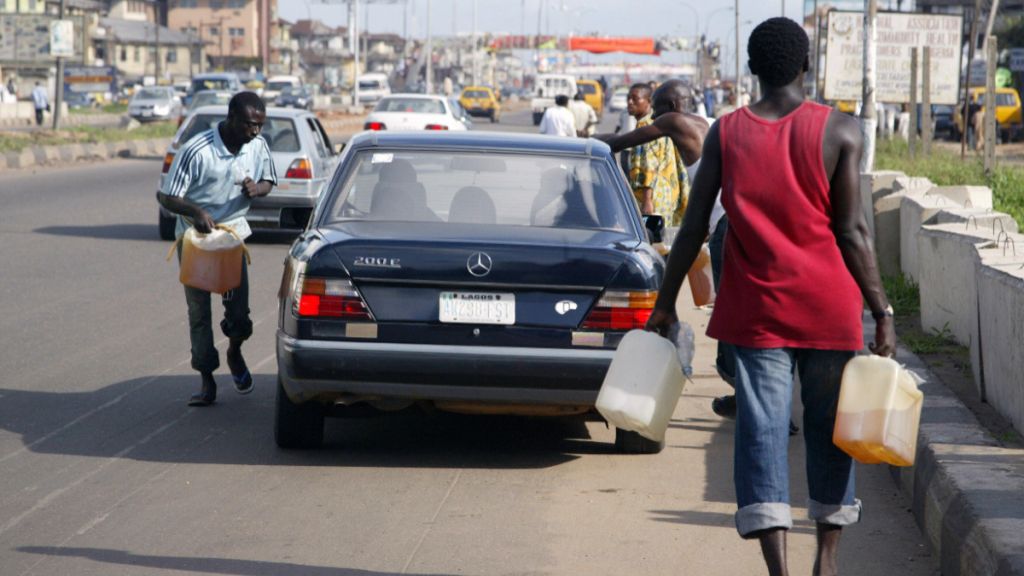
{"type": "Point", "coordinates": [303, 156]}
{"type": "Point", "coordinates": [155, 103]}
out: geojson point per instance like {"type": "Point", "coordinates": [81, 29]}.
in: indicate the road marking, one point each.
{"type": "Point", "coordinates": [49, 498]}
{"type": "Point", "coordinates": [115, 401]}
{"type": "Point", "coordinates": [430, 524]}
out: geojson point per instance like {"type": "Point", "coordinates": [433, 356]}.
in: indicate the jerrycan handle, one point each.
{"type": "Point", "coordinates": [228, 229]}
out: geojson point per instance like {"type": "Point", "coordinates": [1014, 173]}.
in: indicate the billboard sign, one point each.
{"type": "Point", "coordinates": [62, 38]}
{"type": "Point", "coordinates": [26, 39]}
{"type": "Point", "coordinates": [896, 34]}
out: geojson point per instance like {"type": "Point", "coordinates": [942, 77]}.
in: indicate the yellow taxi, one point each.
{"type": "Point", "coordinates": [481, 101]}
{"type": "Point", "coordinates": [592, 94]}
{"type": "Point", "coordinates": [1008, 112]}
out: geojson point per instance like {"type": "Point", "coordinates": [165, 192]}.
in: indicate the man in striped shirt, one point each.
{"type": "Point", "coordinates": [211, 182]}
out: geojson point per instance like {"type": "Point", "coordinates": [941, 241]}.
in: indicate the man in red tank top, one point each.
{"type": "Point", "coordinates": [800, 260]}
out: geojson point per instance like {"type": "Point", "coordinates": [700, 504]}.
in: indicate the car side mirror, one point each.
{"type": "Point", "coordinates": [655, 226]}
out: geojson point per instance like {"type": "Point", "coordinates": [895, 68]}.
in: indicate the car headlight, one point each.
{"type": "Point", "coordinates": [161, 109]}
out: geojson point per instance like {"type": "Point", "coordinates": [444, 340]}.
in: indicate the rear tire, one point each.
{"type": "Point", "coordinates": [166, 226]}
{"type": "Point", "coordinates": [297, 425]}
{"type": "Point", "coordinates": [627, 442]}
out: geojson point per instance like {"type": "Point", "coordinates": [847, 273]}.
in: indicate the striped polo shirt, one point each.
{"type": "Point", "coordinates": [207, 174]}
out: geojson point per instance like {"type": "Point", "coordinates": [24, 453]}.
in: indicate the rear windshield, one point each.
{"type": "Point", "coordinates": [370, 84]}
{"type": "Point", "coordinates": [279, 133]}
{"type": "Point", "coordinates": [476, 94]}
{"type": "Point", "coordinates": [151, 94]}
{"type": "Point", "coordinates": [415, 105]}
{"type": "Point", "coordinates": [278, 85]}
{"type": "Point", "coordinates": [210, 99]}
{"type": "Point", "coordinates": [490, 189]}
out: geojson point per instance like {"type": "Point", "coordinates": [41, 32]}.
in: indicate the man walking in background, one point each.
{"type": "Point", "coordinates": [558, 120]}
{"type": "Point", "coordinates": [799, 264]}
{"type": "Point", "coordinates": [40, 102]}
{"type": "Point", "coordinates": [583, 115]}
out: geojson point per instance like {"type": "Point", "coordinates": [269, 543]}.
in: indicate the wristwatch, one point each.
{"type": "Point", "coordinates": [887, 313]}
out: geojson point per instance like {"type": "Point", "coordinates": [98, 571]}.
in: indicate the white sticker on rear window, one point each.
{"type": "Point", "coordinates": [382, 158]}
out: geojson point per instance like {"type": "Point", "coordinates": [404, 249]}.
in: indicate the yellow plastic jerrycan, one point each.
{"type": "Point", "coordinates": [212, 262]}
{"type": "Point", "coordinates": [879, 412]}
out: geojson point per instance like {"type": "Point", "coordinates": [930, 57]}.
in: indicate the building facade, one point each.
{"type": "Point", "coordinates": [236, 32]}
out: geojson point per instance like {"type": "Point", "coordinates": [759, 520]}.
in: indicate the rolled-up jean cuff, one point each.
{"type": "Point", "coordinates": [763, 516]}
{"type": "Point", "coordinates": [834, 514]}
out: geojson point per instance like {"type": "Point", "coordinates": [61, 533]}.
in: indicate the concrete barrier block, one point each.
{"type": "Point", "coordinates": [1001, 314]}
{"type": "Point", "coordinates": [965, 196]}
{"type": "Point", "coordinates": [948, 261]}
{"type": "Point", "coordinates": [874, 185]}
{"type": "Point", "coordinates": [22, 159]}
{"type": "Point", "coordinates": [916, 211]}
{"type": "Point", "coordinates": [39, 154]}
{"type": "Point", "coordinates": [66, 152]}
{"type": "Point", "coordinates": [907, 184]}
{"type": "Point", "coordinates": [52, 154]}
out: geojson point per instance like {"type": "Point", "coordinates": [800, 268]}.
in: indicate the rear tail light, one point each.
{"type": "Point", "coordinates": [329, 298]}
{"type": "Point", "coordinates": [436, 127]}
{"type": "Point", "coordinates": [621, 311]}
{"type": "Point", "coordinates": [168, 160]}
{"type": "Point", "coordinates": [374, 126]}
{"type": "Point", "coordinates": [300, 169]}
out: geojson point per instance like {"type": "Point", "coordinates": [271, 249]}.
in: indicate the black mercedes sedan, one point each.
{"type": "Point", "coordinates": [477, 272]}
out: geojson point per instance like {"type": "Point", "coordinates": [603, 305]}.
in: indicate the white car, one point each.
{"type": "Point", "coordinates": [372, 87]}
{"type": "Point", "coordinates": [408, 112]}
{"type": "Point", "coordinates": [277, 84]}
{"type": "Point", "coordinates": [618, 100]}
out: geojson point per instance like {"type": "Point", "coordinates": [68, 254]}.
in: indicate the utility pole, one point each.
{"type": "Point", "coordinates": [739, 85]}
{"type": "Point", "coordinates": [58, 88]}
{"type": "Point", "coordinates": [869, 122]}
{"type": "Point", "coordinates": [156, 60]}
{"type": "Point", "coordinates": [429, 55]}
{"type": "Point", "coordinates": [476, 67]}
{"type": "Point", "coordinates": [965, 123]}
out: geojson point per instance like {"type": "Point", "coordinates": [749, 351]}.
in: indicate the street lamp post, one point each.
{"type": "Point", "coordinates": [430, 56]}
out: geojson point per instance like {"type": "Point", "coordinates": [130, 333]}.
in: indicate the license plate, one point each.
{"type": "Point", "coordinates": [147, 113]}
{"type": "Point", "coordinates": [477, 308]}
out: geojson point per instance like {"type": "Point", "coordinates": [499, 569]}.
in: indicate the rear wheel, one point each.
{"type": "Point", "coordinates": [167, 224]}
{"type": "Point", "coordinates": [297, 425]}
{"type": "Point", "coordinates": [628, 442]}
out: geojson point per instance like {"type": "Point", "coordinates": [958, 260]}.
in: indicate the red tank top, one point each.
{"type": "Point", "coordinates": [784, 282]}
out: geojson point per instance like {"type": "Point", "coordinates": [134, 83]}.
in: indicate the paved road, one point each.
{"type": "Point", "coordinates": [105, 471]}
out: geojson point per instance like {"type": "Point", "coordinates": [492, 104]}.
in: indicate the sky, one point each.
{"type": "Point", "coordinates": [677, 18]}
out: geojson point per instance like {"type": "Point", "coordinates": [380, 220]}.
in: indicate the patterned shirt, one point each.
{"type": "Point", "coordinates": [657, 165]}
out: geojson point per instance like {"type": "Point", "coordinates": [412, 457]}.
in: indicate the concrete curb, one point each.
{"type": "Point", "coordinates": [966, 491]}
{"type": "Point", "coordinates": [55, 155]}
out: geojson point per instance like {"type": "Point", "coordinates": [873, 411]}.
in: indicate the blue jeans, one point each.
{"type": "Point", "coordinates": [764, 392]}
{"type": "Point", "coordinates": [724, 362]}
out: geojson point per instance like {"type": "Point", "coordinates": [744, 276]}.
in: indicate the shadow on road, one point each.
{"type": "Point", "coordinates": [203, 565]}
{"type": "Point", "coordinates": [146, 419]}
{"type": "Point", "coordinates": [105, 231]}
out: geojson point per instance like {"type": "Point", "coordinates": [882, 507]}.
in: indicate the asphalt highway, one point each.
{"type": "Point", "coordinates": [105, 471]}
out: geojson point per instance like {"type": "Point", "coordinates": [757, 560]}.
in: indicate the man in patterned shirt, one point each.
{"type": "Point", "coordinates": [656, 170]}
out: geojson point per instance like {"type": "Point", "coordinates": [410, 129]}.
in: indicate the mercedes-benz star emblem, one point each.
{"type": "Point", "coordinates": [479, 264]}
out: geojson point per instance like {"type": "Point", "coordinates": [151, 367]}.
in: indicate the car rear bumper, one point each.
{"type": "Point", "coordinates": [327, 370]}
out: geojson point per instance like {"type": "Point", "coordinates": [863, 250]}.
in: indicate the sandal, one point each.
{"type": "Point", "coordinates": [242, 378]}
{"type": "Point", "coordinates": [206, 396]}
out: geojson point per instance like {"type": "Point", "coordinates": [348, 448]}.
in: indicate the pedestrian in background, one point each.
{"type": "Point", "coordinates": [799, 266]}
{"type": "Point", "coordinates": [558, 120]}
{"type": "Point", "coordinates": [656, 171]}
{"type": "Point", "coordinates": [583, 115]}
{"type": "Point", "coordinates": [40, 102]}
{"type": "Point", "coordinates": [212, 182]}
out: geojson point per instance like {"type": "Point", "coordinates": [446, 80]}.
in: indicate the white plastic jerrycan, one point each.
{"type": "Point", "coordinates": [879, 412]}
{"type": "Point", "coordinates": [642, 386]}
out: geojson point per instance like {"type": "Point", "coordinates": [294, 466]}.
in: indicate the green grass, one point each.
{"type": "Point", "coordinates": [945, 168]}
{"type": "Point", "coordinates": [17, 141]}
{"type": "Point", "coordinates": [903, 295]}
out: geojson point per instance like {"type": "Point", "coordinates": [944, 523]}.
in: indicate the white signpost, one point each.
{"type": "Point", "coordinates": [897, 33]}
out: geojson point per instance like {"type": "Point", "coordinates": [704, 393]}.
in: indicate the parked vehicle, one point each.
{"type": "Point", "coordinates": [942, 121]}
{"type": "Point", "coordinates": [215, 81]}
{"type": "Point", "coordinates": [373, 87]}
{"type": "Point", "coordinates": [276, 85]}
{"type": "Point", "coordinates": [473, 272]}
{"type": "Point", "coordinates": [481, 101]}
{"type": "Point", "coordinates": [296, 97]}
{"type": "Point", "coordinates": [546, 87]}
{"type": "Point", "coordinates": [593, 95]}
{"type": "Point", "coordinates": [1008, 112]}
{"type": "Point", "coordinates": [303, 159]}
{"type": "Point", "coordinates": [155, 103]}
{"type": "Point", "coordinates": [404, 112]}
